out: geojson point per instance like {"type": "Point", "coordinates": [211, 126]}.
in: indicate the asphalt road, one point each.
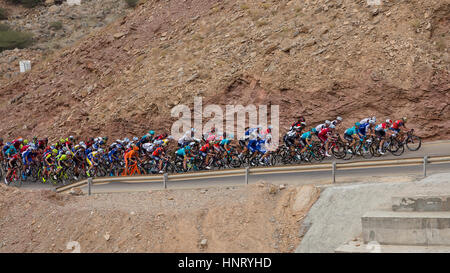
{"type": "Point", "coordinates": [438, 148]}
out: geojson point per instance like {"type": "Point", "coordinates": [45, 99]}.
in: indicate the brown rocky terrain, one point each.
{"type": "Point", "coordinates": [257, 218]}
{"type": "Point", "coordinates": [317, 58]}
{"type": "Point", "coordinates": [54, 27]}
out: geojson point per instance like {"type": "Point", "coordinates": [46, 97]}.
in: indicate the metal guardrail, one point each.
{"type": "Point", "coordinates": [246, 172]}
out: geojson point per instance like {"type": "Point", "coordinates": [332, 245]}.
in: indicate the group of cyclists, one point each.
{"type": "Point", "coordinates": [214, 148]}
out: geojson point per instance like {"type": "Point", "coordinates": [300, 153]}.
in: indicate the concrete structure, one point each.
{"type": "Point", "coordinates": [416, 224]}
{"type": "Point", "coordinates": [406, 228]}
{"type": "Point", "coordinates": [421, 203]}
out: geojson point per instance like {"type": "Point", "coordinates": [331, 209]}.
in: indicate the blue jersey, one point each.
{"type": "Point", "coordinates": [112, 155]}
{"type": "Point", "coordinates": [11, 151]}
{"type": "Point", "coordinates": [351, 131]}
{"type": "Point", "coordinates": [181, 152]}
{"type": "Point", "coordinates": [254, 145]}
{"type": "Point", "coordinates": [364, 128]}
{"type": "Point", "coordinates": [306, 135]}
{"type": "Point", "coordinates": [224, 142]}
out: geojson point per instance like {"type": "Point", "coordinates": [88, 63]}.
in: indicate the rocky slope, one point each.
{"type": "Point", "coordinates": [54, 27]}
{"type": "Point", "coordinates": [257, 218]}
{"type": "Point", "coordinates": [317, 58]}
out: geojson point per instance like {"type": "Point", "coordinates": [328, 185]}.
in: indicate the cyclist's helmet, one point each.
{"type": "Point", "coordinates": [151, 132]}
{"type": "Point", "coordinates": [135, 139]}
{"type": "Point", "coordinates": [100, 151]}
{"type": "Point", "coordinates": [54, 152]}
{"type": "Point", "coordinates": [25, 142]}
{"type": "Point", "coordinates": [374, 119]}
{"type": "Point", "coordinates": [314, 130]}
{"type": "Point", "coordinates": [187, 148]}
{"type": "Point", "coordinates": [339, 118]}
{"type": "Point", "coordinates": [357, 124]}
{"type": "Point", "coordinates": [20, 139]}
{"type": "Point", "coordinates": [404, 119]}
{"type": "Point", "coordinates": [332, 126]}
{"type": "Point", "coordinates": [371, 121]}
{"type": "Point", "coordinates": [170, 137]}
{"type": "Point", "coordinates": [68, 153]}
{"type": "Point", "coordinates": [389, 121]}
{"type": "Point", "coordinates": [136, 148]}
{"type": "Point", "coordinates": [327, 122]}
{"type": "Point", "coordinates": [71, 138]}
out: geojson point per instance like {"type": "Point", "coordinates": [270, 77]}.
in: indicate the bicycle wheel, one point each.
{"type": "Point", "coordinates": [365, 151]}
{"type": "Point", "coordinates": [338, 150]}
{"type": "Point", "coordinates": [396, 148]}
{"type": "Point", "coordinates": [413, 143]}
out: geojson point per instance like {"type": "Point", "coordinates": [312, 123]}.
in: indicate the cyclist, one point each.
{"type": "Point", "coordinates": [205, 152]}
{"type": "Point", "coordinates": [113, 156]}
{"type": "Point", "coordinates": [366, 120]}
{"type": "Point", "coordinates": [352, 135]}
{"type": "Point", "coordinates": [12, 156]}
{"type": "Point", "coordinates": [63, 161]}
{"type": "Point", "coordinates": [337, 121]}
{"type": "Point", "coordinates": [322, 126]}
{"type": "Point", "coordinates": [323, 136]}
{"type": "Point", "coordinates": [131, 156]}
{"type": "Point", "coordinates": [92, 159]}
{"type": "Point", "coordinates": [184, 154]}
{"type": "Point", "coordinates": [187, 138]}
{"type": "Point", "coordinates": [306, 139]}
{"type": "Point", "coordinates": [396, 127]}
{"type": "Point", "coordinates": [299, 124]}
{"type": "Point", "coordinates": [380, 132]}
{"type": "Point", "coordinates": [156, 155]}
{"type": "Point", "coordinates": [27, 158]}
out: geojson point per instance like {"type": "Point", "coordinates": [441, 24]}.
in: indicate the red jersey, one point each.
{"type": "Point", "coordinates": [324, 132]}
{"type": "Point", "coordinates": [396, 125]}
{"type": "Point", "coordinates": [24, 148]}
{"type": "Point", "coordinates": [158, 151]}
{"type": "Point", "coordinates": [204, 148]}
{"type": "Point", "coordinates": [16, 143]}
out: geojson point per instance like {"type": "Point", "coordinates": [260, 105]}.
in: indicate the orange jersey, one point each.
{"type": "Point", "coordinates": [131, 154]}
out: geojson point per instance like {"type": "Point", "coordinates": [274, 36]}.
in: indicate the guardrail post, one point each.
{"type": "Point", "coordinates": [247, 172]}
{"type": "Point", "coordinates": [333, 171]}
{"type": "Point", "coordinates": [425, 161]}
{"type": "Point", "coordinates": [165, 178]}
{"type": "Point", "coordinates": [89, 185]}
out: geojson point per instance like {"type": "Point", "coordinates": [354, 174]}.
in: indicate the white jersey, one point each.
{"type": "Point", "coordinates": [320, 127]}
{"type": "Point", "coordinates": [187, 138]}
{"type": "Point", "coordinates": [149, 147]}
{"type": "Point", "coordinates": [366, 120]}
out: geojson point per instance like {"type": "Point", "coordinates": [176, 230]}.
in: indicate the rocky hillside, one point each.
{"type": "Point", "coordinates": [317, 58]}
{"type": "Point", "coordinates": [259, 218]}
{"type": "Point", "coordinates": [54, 27]}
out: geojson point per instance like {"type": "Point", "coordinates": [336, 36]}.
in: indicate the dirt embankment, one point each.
{"type": "Point", "coordinates": [316, 58]}
{"type": "Point", "coordinates": [257, 218]}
